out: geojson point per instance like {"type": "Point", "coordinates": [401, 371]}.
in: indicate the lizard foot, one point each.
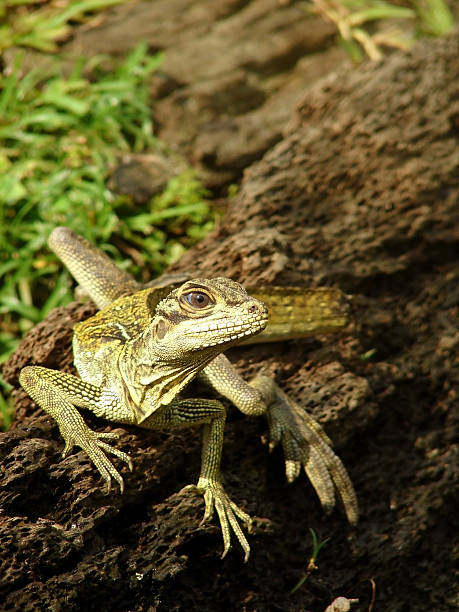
{"type": "Point", "coordinates": [93, 443]}
{"type": "Point", "coordinates": [215, 498]}
{"type": "Point", "coordinates": [306, 445]}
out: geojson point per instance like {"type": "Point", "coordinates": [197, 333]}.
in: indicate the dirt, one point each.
{"type": "Point", "coordinates": [361, 192]}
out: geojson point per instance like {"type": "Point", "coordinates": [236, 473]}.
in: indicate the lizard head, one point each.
{"type": "Point", "coordinates": [190, 327]}
{"type": "Point", "coordinates": [206, 316]}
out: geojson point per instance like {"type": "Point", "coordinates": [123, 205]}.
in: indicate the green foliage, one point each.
{"type": "Point", "coordinates": [6, 405]}
{"type": "Point", "coordinates": [351, 18]}
{"type": "Point", "coordinates": [174, 220]}
{"type": "Point", "coordinates": [42, 28]}
{"type": "Point", "coordinates": [434, 17]}
{"type": "Point", "coordinates": [59, 138]}
{"type": "Point", "coordinates": [311, 566]}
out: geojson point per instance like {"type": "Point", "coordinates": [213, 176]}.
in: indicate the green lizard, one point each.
{"type": "Point", "coordinates": [145, 345]}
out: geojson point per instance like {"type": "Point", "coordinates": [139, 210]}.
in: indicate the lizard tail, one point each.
{"type": "Point", "coordinates": [297, 313]}
{"type": "Point", "coordinates": [100, 278]}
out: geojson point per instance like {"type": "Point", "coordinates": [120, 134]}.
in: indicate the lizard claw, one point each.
{"type": "Point", "coordinates": [306, 444]}
{"type": "Point", "coordinates": [215, 498]}
{"type": "Point", "coordinates": [96, 448]}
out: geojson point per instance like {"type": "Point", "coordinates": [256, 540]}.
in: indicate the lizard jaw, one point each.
{"type": "Point", "coordinates": [213, 333]}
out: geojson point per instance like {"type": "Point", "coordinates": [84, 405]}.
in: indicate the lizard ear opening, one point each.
{"type": "Point", "coordinates": [160, 330]}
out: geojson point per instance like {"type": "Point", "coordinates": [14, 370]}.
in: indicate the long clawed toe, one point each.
{"type": "Point", "coordinates": [305, 443]}
{"type": "Point", "coordinates": [96, 448]}
{"type": "Point", "coordinates": [228, 512]}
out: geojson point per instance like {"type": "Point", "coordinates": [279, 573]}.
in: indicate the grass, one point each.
{"type": "Point", "coordinates": [311, 565]}
{"type": "Point", "coordinates": [60, 136]}
{"type": "Point", "coordinates": [43, 27]}
{"type": "Point", "coordinates": [403, 23]}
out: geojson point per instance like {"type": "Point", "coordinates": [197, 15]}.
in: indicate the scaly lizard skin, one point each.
{"type": "Point", "coordinates": [144, 346]}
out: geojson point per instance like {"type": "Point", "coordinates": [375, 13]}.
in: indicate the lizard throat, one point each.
{"type": "Point", "coordinates": [147, 387]}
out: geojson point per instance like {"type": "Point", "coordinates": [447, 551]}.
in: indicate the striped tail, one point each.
{"type": "Point", "coordinates": [295, 312]}
{"type": "Point", "coordinates": [91, 268]}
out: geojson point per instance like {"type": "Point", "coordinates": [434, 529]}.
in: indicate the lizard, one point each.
{"type": "Point", "coordinates": [135, 356]}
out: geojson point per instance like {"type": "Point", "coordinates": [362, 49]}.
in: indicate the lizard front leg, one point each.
{"type": "Point", "coordinates": [303, 440]}
{"type": "Point", "coordinates": [58, 393]}
{"type": "Point", "coordinates": [212, 415]}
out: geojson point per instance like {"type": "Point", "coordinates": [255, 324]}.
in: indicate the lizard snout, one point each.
{"type": "Point", "coordinates": [258, 308]}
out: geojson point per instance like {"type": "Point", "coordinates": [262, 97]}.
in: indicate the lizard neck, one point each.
{"type": "Point", "coordinates": [152, 376]}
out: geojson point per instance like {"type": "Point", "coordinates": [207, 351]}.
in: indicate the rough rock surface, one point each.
{"type": "Point", "coordinates": [232, 72]}
{"type": "Point", "coordinates": [362, 192]}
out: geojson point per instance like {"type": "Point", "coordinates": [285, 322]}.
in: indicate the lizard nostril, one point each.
{"type": "Point", "coordinates": [257, 309]}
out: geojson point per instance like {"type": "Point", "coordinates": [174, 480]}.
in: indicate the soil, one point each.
{"type": "Point", "coordinates": [356, 186]}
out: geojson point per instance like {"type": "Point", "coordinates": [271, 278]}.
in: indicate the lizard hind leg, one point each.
{"type": "Point", "coordinates": [58, 393]}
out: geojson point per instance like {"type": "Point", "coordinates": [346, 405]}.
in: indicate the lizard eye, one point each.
{"type": "Point", "coordinates": [197, 299]}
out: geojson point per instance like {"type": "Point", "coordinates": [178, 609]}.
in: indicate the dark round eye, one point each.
{"type": "Point", "coordinates": [197, 299]}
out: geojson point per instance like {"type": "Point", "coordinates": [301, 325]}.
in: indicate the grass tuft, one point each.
{"type": "Point", "coordinates": [25, 25]}
{"type": "Point", "coordinates": [403, 23]}
{"type": "Point", "coordinates": [60, 136]}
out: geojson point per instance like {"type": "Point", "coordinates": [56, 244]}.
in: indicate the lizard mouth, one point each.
{"type": "Point", "coordinates": [222, 332]}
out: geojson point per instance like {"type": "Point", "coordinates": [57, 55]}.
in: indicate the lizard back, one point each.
{"type": "Point", "coordinates": [98, 341]}
{"type": "Point", "coordinates": [122, 320]}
